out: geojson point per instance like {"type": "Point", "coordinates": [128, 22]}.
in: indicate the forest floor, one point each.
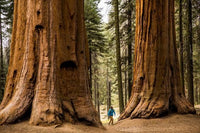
{"type": "Point", "coordinates": [173, 123]}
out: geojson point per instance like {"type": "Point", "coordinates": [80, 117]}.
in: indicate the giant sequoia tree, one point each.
{"type": "Point", "coordinates": [48, 65]}
{"type": "Point", "coordinates": [156, 83]}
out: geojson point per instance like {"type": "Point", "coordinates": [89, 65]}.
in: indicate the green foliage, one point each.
{"type": "Point", "coordinates": [6, 13]}
{"type": "Point", "coordinates": [97, 45]}
{"type": "Point", "coordinates": [7, 7]}
{"type": "Point", "coordinates": [124, 38]}
{"type": "Point", "coordinates": [196, 39]}
{"type": "Point", "coordinates": [93, 24]}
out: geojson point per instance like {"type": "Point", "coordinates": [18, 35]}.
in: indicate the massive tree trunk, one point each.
{"type": "Point", "coordinates": [156, 83]}
{"type": "Point", "coordinates": [48, 71]}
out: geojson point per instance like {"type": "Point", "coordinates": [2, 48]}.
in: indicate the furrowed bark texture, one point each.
{"type": "Point", "coordinates": [48, 70]}
{"type": "Point", "coordinates": [156, 82]}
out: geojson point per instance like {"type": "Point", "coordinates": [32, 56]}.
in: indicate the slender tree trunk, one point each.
{"type": "Point", "coordinates": [181, 46]}
{"type": "Point", "coordinates": [95, 92]}
{"type": "Point", "coordinates": [95, 81]}
{"type": "Point", "coordinates": [156, 82]}
{"type": "Point", "coordinates": [109, 96]}
{"type": "Point", "coordinates": [90, 79]}
{"type": "Point", "coordinates": [125, 79]}
{"type": "Point", "coordinates": [108, 91]}
{"type": "Point", "coordinates": [189, 52]}
{"type": "Point", "coordinates": [98, 102]}
{"type": "Point", "coordinates": [125, 87]}
{"type": "Point", "coordinates": [198, 95]}
{"type": "Point", "coordinates": [118, 57]}
{"type": "Point", "coordinates": [48, 70]}
{"type": "Point", "coordinates": [1, 59]}
{"type": "Point", "coordinates": [1, 45]}
{"type": "Point", "coordinates": [130, 38]}
{"type": "Point", "coordinates": [198, 47]}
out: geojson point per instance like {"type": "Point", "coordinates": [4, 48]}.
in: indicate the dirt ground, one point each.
{"type": "Point", "coordinates": [24, 127]}
{"type": "Point", "coordinates": [173, 123]}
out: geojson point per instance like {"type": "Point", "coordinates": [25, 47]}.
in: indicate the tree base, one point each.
{"type": "Point", "coordinates": [156, 107]}
{"type": "Point", "coordinates": [49, 111]}
{"type": "Point", "coordinates": [47, 117]}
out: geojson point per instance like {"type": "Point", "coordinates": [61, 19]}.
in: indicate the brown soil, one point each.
{"type": "Point", "coordinates": [24, 127]}
{"type": "Point", "coordinates": [173, 123]}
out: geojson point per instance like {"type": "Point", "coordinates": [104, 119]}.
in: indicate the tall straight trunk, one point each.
{"type": "Point", "coordinates": [125, 79]}
{"type": "Point", "coordinates": [1, 59]}
{"type": "Point", "coordinates": [181, 46]}
{"type": "Point", "coordinates": [130, 38]}
{"type": "Point", "coordinates": [98, 102]}
{"type": "Point", "coordinates": [198, 95]}
{"type": "Point", "coordinates": [189, 52]}
{"type": "Point", "coordinates": [156, 82]}
{"type": "Point", "coordinates": [95, 92]}
{"type": "Point", "coordinates": [125, 87]}
{"type": "Point", "coordinates": [196, 74]}
{"type": "Point", "coordinates": [198, 47]}
{"type": "Point", "coordinates": [95, 80]}
{"type": "Point", "coordinates": [109, 96]}
{"type": "Point", "coordinates": [90, 79]}
{"type": "Point", "coordinates": [48, 70]}
{"type": "Point", "coordinates": [1, 45]}
{"type": "Point", "coordinates": [118, 57]}
{"type": "Point", "coordinates": [108, 89]}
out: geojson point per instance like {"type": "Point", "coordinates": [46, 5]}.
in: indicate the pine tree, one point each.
{"type": "Point", "coordinates": [196, 49]}
{"type": "Point", "coordinates": [181, 46]}
{"type": "Point", "coordinates": [1, 55]}
{"type": "Point", "coordinates": [118, 56]}
{"type": "Point", "coordinates": [95, 36]}
{"type": "Point", "coordinates": [130, 40]}
{"type": "Point", "coordinates": [189, 52]}
{"type": "Point", "coordinates": [6, 11]}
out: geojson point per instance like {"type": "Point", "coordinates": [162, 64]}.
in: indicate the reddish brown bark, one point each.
{"type": "Point", "coordinates": [48, 70]}
{"type": "Point", "coordinates": [156, 87]}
